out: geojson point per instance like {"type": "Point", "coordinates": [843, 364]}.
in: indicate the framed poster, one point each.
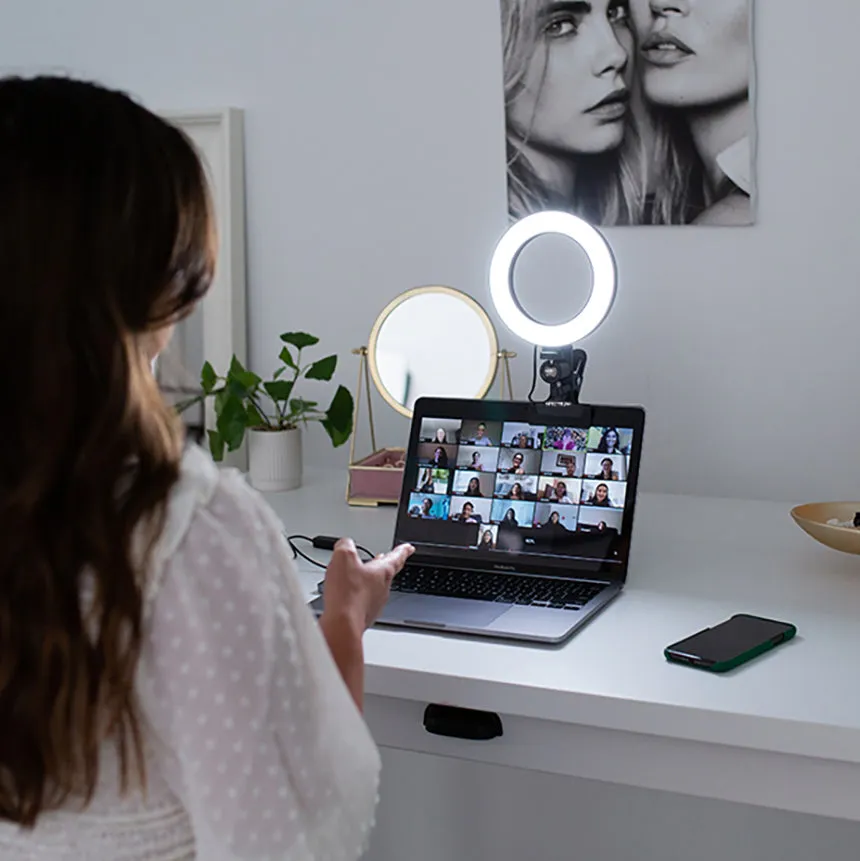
{"type": "Point", "coordinates": [630, 112]}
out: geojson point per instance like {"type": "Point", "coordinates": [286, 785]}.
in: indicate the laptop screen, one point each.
{"type": "Point", "coordinates": [519, 486]}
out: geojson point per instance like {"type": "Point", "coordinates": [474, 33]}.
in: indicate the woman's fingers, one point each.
{"type": "Point", "coordinates": [385, 564]}
{"type": "Point", "coordinates": [388, 564]}
{"type": "Point", "coordinates": [398, 556]}
{"type": "Point", "coordinates": [346, 549]}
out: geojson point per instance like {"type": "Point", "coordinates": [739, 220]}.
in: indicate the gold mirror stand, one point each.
{"type": "Point", "coordinates": [376, 479]}
{"type": "Point", "coordinates": [505, 356]}
{"type": "Point", "coordinates": [363, 384]}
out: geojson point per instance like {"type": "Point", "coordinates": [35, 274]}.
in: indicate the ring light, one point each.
{"type": "Point", "coordinates": [603, 278]}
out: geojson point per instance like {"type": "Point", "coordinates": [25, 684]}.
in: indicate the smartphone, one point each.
{"type": "Point", "coordinates": [731, 643]}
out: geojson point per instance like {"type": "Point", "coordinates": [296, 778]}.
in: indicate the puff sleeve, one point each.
{"type": "Point", "coordinates": [256, 732]}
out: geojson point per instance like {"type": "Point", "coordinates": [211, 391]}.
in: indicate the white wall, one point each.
{"type": "Point", "coordinates": [375, 163]}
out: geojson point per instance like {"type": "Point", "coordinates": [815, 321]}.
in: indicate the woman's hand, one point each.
{"type": "Point", "coordinates": [354, 594]}
{"type": "Point", "coordinates": [357, 591]}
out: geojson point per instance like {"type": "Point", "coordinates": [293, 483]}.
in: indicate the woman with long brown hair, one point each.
{"type": "Point", "coordinates": [164, 691]}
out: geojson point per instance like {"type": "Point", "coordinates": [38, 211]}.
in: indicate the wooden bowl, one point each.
{"type": "Point", "coordinates": [812, 519]}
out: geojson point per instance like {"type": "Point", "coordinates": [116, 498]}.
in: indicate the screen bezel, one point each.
{"type": "Point", "coordinates": [577, 415]}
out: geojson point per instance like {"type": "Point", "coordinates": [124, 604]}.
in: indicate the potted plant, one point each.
{"type": "Point", "coordinates": [271, 414]}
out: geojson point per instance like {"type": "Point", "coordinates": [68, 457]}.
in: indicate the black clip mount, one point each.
{"type": "Point", "coordinates": [562, 369]}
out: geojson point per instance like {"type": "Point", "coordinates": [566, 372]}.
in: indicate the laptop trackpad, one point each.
{"type": "Point", "coordinates": [448, 612]}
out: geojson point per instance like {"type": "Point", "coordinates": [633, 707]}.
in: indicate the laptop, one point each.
{"type": "Point", "coordinates": [521, 515]}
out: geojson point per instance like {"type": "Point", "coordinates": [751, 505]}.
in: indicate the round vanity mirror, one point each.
{"type": "Point", "coordinates": [432, 341]}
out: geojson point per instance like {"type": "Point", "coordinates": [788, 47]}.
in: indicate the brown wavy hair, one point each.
{"type": "Point", "coordinates": [106, 235]}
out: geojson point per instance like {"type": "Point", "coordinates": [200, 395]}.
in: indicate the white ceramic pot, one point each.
{"type": "Point", "coordinates": [275, 459]}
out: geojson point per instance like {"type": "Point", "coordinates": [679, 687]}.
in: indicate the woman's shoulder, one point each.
{"type": "Point", "coordinates": [208, 505]}
{"type": "Point", "coordinates": [202, 486]}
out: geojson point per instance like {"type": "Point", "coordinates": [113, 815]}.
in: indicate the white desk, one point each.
{"type": "Point", "coordinates": [782, 732]}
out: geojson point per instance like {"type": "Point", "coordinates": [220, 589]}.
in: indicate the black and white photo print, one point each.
{"type": "Point", "coordinates": [630, 111]}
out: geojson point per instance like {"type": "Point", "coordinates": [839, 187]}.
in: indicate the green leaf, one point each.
{"type": "Point", "coordinates": [232, 422]}
{"type": "Point", "coordinates": [236, 367]}
{"type": "Point", "coordinates": [287, 358]}
{"type": "Point", "coordinates": [255, 417]}
{"type": "Point", "coordinates": [298, 407]}
{"type": "Point", "coordinates": [247, 379]}
{"type": "Point", "coordinates": [279, 371]}
{"type": "Point", "coordinates": [339, 416]}
{"type": "Point", "coordinates": [208, 378]}
{"type": "Point", "coordinates": [279, 390]}
{"type": "Point", "coordinates": [237, 389]}
{"type": "Point", "coordinates": [216, 445]}
{"type": "Point", "coordinates": [323, 369]}
{"type": "Point", "coordinates": [299, 339]}
{"type": "Point", "coordinates": [250, 381]}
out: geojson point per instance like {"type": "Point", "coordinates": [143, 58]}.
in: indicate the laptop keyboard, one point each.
{"type": "Point", "coordinates": [501, 588]}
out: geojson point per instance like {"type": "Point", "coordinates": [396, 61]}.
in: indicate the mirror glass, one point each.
{"type": "Point", "coordinates": [432, 341]}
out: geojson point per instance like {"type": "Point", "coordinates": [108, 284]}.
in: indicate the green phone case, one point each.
{"type": "Point", "coordinates": [737, 661]}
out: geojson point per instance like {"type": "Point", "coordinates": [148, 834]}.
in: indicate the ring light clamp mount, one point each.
{"type": "Point", "coordinates": [562, 365]}
{"type": "Point", "coordinates": [562, 369]}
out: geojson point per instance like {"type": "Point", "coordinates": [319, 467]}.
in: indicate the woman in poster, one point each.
{"type": "Point", "coordinates": [695, 71]}
{"type": "Point", "coordinates": [571, 138]}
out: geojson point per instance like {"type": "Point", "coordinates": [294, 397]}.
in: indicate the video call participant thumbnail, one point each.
{"type": "Point", "coordinates": [555, 518]}
{"type": "Point", "coordinates": [606, 467]}
{"type": "Point", "coordinates": [562, 463]}
{"type": "Point", "coordinates": [610, 440]}
{"type": "Point", "coordinates": [564, 491]}
{"type": "Point", "coordinates": [481, 434]}
{"type": "Point", "coordinates": [477, 484]}
{"type": "Point", "coordinates": [429, 507]}
{"type": "Point", "coordinates": [512, 514]}
{"type": "Point", "coordinates": [604, 494]}
{"type": "Point", "coordinates": [516, 487]}
{"type": "Point", "coordinates": [466, 510]}
{"type": "Point", "coordinates": [477, 458]}
{"type": "Point", "coordinates": [439, 456]}
{"type": "Point", "coordinates": [433, 480]}
{"type": "Point", "coordinates": [487, 537]}
{"type": "Point", "coordinates": [440, 431]}
{"type": "Point", "coordinates": [600, 520]}
{"type": "Point", "coordinates": [517, 462]}
{"type": "Point", "coordinates": [522, 435]}
{"type": "Point", "coordinates": [565, 439]}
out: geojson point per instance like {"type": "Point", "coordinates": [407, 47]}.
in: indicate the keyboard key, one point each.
{"type": "Point", "coordinates": [499, 588]}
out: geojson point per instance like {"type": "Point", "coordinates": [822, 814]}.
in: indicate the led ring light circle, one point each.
{"type": "Point", "coordinates": [603, 279]}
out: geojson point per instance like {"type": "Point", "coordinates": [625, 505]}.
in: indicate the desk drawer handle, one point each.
{"type": "Point", "coordinates": [455, 722]}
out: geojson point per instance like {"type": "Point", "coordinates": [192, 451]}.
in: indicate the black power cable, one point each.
{"type": "Point", "coordinates": [534, 374]}
{"type": "Point", "coordinates": [320, 542]}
